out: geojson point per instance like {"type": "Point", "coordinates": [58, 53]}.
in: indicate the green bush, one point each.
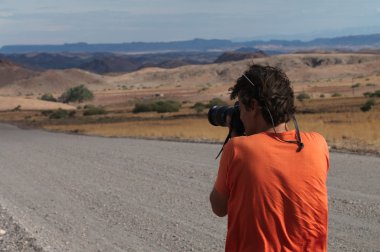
{"type": "Point", "coordinates": [368, 105]}
{"type": "Point", "coordinates": [167, 106]}
{"type": "Point", "coordinates": [370, 94]}
{"type": "Point", "coordinates": [303, 96]}
{"type": "Point", "coordinates": [93, 110]}
{"type": "Point", "coordinates": [142, 107]}
{"type": "Point", "coordinates": [356, 85]}
{"type": "Point", "coordinates": [17, 108]}
{"type": "Point", "coordinates": [161, 106]}
{"type": "Point", "coordinates": [376, 93]}
{"type": "Point", "coordinates": [336, 95]}
{"type": "Point", "coordinates": [48, 97]}
{"type": "Point", "coordinates": [47, 112]}
{"type": "Point", "coordinates": [322, 96]}
{"type": "Point", "coordinates": [216, 102]}
{"type": "Point", "coordinates": [61, 114]}
{"type": "Point", "coordinates": [367, 94]}
{"type": "Point", "coordinates": [76, 94]}
{"type": "Point", "coordinates": [199, 107]}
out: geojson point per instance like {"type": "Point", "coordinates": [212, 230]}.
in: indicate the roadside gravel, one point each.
{"type": "Point", "coordinates": [76, 193]}
{"type": "Point", "coordinates": [13, 237]}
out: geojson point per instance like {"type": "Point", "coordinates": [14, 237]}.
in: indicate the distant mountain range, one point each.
{"type": "Point", "coordinates": [128, 57]}
{"type": "Point", "coordinates": [347, 42]}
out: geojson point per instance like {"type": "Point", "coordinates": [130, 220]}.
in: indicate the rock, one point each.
{"type": "Point", "coordinates": [2, 232]}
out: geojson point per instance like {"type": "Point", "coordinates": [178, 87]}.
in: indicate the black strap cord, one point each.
{"type": "Point", "coordinates": [299, 140]}
{"type": "Point", "coordinates": [225, 141]}
{"type": "Point", "coordinates": [298, 135]}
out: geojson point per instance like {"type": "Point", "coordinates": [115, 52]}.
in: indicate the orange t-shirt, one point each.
{"type": "Point", "coordinates": [277, 197]}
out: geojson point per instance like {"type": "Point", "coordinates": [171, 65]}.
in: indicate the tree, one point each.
{"type": "Point", "coordinates": [76, 94]}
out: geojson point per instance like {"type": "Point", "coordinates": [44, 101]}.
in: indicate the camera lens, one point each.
{"type": "Point", "coordinates": [217, 115]}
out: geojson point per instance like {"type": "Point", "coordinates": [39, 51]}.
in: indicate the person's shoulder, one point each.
{"type": "Point", "coordinates": [314, 138]}
{"type": "Point", "coordinates": [243, 142]}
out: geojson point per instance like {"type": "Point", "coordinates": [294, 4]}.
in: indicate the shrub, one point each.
{"type": "Point", "coordinates": [161, 106]}
{"type": "Point", "coordinates": [367, 94]}
{"type": "Point", "coordinates": [167, 106]}
{"type": "Point", "coordinates": [199, 107]}
{"type": "Point", "coordinates": [374, 94]}
{"type": "Point", "coordinates": [356, 85]}
{"type": "Point", "coordinates": [78, 93]}
{"type": "Point", "coordinates": [322, 96]}
{"type": "Point", "coordinates": [216, 102]}
{"type": "Point", "coordinates": [336, 95]}
{"type": "Point", "coordinates": [17, 108]}
{"type": "Point", "coordinates": [48, 97]}
{"type": "Point", "coordinates": [93, 110]}
{"type": "Point", "coordinates": [59, 114]}
{"type": "Point", "coordinates": [370, 85]}
{"type": "Point", "coordinates": [303, 96]}
{"type": "Point", "coordinates": [368, 105]}
{"type": "Point", "coordinates": [47, 112]}
{"type": "Point", "coordinates": [142, 107]}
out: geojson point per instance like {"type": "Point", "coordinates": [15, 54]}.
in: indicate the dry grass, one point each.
{"type": "Point", "coordinates": [356, 131]}
{"type": "Point", "coordinates": [197, 129]}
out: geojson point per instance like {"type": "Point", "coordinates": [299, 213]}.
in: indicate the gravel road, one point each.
{"type": "Point", "coordinates": [62, 192]}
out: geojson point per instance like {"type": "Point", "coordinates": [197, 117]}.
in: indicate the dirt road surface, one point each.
{"type": "Point", "coordinates": [62, 192]}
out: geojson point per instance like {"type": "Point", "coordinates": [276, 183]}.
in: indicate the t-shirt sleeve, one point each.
{"type": "Point", "coordinates": [327, 154]}
{"type": "Point", "coordinates": [221, 183]}
{"type": "Point", "coordinates": [323, 144]}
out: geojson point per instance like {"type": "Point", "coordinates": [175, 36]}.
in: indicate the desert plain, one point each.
{"type": "Point", "coordinates": [334, 82]}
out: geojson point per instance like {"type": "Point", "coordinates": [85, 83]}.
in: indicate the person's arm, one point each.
{"type": "Point", "coordinates": [218, 203]}
{"type": "Point", "coordinates": [220, 193]}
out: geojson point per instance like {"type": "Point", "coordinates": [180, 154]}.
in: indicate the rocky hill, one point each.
{"type": "Point", "coordinates": [240, 55]}
{"type": "Point", "coordinates": [11, 73]}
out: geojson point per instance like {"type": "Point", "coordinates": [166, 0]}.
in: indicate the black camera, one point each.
{"type": "Point", "coordinates": [217, 116]}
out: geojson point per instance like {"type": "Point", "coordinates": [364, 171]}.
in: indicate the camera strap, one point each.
{"type": "Point", "coordinates": [298, 134]}
{"type": "Point", "coordinates": [225, 141]}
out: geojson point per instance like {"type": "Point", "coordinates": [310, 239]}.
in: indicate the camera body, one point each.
{"type": "Point", "coordinates": [217, 116]}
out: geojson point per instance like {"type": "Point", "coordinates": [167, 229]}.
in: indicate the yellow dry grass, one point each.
{"type": "Point", "coordinates": [354, 131]}
{"type": "Point", "coordinates": [196, 129]}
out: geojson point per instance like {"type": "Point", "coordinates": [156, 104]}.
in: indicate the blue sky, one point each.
{"type": "Point", "coordinates": [114, 21]}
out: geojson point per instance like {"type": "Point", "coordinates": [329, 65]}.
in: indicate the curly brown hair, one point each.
{"type": "Point", "coordinates": [272, 89]}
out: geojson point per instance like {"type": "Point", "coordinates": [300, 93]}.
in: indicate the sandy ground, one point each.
{"type": "Point", "coordinates": [80, 193]}
{"type": "Point", "coordinates": [9, 103]}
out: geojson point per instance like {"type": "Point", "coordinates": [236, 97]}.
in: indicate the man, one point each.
{"type": "Point", "coordinates": [272, 181]}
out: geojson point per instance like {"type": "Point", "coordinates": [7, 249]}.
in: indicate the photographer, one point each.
{"type": "Point", "coordinates": [272, 180]}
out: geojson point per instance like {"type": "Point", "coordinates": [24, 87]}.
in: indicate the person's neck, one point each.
{"type": "Point", "coordinates": [265, 127]}
{"type": "Point", "coordinates": [282, 127]}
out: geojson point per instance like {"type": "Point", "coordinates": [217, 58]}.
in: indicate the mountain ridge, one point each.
{"type": "Point", "coordinates": [353, 41]}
